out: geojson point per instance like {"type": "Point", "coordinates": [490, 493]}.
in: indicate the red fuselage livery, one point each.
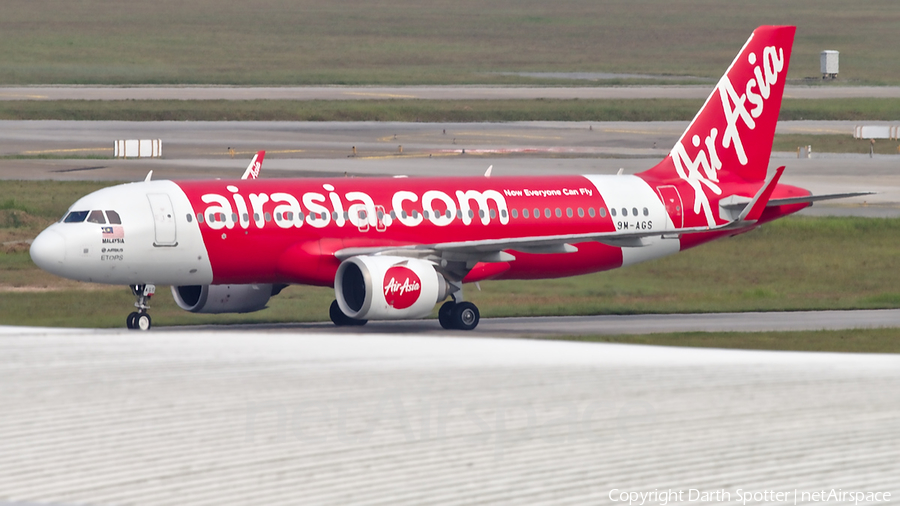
{"type": "Point", "coordinates": [394, 247]}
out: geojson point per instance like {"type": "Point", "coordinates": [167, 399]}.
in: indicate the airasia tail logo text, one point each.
{"type": "Point", "coordinates": [402, 287]}
{"type": "Point", "coordinates": [702, 171]}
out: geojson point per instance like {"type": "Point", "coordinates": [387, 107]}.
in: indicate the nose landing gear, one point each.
{"type": "Point", "coordinates": [140, 319]}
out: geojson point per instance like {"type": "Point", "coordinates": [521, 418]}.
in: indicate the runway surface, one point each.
{"type": "Point", "coordinates": [603, 324]}
{"type": "Point", "coordinates": [827, 91]}
{"type": "Point", "coordinates": [110, 417]}
{"type": "Point", "coordinates": [195, 150]}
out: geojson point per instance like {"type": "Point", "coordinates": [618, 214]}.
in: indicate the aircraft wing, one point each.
{"type": "Point", "coordinates": [492, 250]}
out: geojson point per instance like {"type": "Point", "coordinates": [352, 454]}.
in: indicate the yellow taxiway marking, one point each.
{"type": "Point", "coordinates": [417, 155]}
{"type": "Point", "coordinates": [20, 95]}
{"type": "Point", "coordinates": [64, 150]}
{"type": "Point", "coordinates": [268, 152]}
{"type": "Point", "coordinates": [626, 131]}
{"type": "Point", "coordinates": [386, 95]}
{"type": "Point", "coordinates": [458, 135]}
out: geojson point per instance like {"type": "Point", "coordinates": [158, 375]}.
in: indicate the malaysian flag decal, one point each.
{"type": "Point", "coordinates": [113, 232]}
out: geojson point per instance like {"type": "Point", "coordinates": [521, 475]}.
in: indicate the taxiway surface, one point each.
{"type": "Point", "coordinates": [601, 324]}
{"type": "Point", "coordinates": [296, 149]}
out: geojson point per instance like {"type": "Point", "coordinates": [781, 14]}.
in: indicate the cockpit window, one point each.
{"type": "Point", "coordinates": [96, 217]}
{"type": "Point", "coordinates": [113, 218]}
{"type": "Point", "coordinates": [76, 216]}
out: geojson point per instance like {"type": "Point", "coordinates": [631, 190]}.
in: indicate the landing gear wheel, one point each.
{"type": "Point", "coordinates": [465, 316]}
{"type": "Point", "coordinates": [129, 322]}
{"type": "Point", "coordinates": [445, 315]}
{"type": "Point", "coordinates": [340, 319]}
{"type": "Point", "coordinates": [142, 322]}
{"type": "Point", "coordinates": [139, 319]}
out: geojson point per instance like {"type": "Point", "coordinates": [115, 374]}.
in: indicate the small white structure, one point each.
{"type": "Point", "coordinates": [877, 132]}
{"type": "Point", "coordinates": [829, 63]}
{"type": "Point", "coordinates": [145, 148]}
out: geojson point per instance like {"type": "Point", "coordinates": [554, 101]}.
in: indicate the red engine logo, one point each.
{"type": "Point", "coordinates": [401, 287]}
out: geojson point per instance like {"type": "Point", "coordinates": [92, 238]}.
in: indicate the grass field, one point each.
{"type": "Point", "coordinates": [354, 41]}
{"type": "Point", "coordinates": [792, 264]}
{"type": "Point", "coordinates": [441, 111]}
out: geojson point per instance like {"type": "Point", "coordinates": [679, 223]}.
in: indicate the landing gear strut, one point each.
{"type": "Point", "coordinates": [340, 319]}
{"type": "Point", "coordinates": [140, 319]}
{"type": "Point", "coordinates": [459, 316]}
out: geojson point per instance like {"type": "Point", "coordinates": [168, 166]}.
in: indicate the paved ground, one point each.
{"type": "Point", "coordinates": [187, 418]}
{"type": "Point", "coordinates": [411, 92]}
{"type": "Point", "coordinates": [603, 324]}
{"type": "Point", "coordinates": [297, 149]}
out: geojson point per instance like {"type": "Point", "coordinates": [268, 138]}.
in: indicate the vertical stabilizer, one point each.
{"type": "Point", "coordinates": [730, 140]}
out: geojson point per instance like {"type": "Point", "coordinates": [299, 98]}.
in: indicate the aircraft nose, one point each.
{"type": "Point", "coordinates": [48, 250]}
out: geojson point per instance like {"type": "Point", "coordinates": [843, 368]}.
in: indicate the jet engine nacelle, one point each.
{"type": "Point", "coordinates": [222, 298]}
{"type": "Point", "coordinates": [388, 288]}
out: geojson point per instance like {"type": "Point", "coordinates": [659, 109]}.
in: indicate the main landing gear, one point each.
{"type": "Point", "coordinates": [342, 320]}
{"type": "Point", "coordinates": [459, 316]}
{"type": "Point", "coordinates": [140, 319]}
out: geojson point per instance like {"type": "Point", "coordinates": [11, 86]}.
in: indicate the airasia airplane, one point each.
{"type": "Point", "coordinates": [393, 248]}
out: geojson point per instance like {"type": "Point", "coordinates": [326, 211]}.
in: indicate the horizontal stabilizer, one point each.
{"type": "Point", "coordinates": [809, 199]}
{"type": "Point", "coordinates": [754, 209]}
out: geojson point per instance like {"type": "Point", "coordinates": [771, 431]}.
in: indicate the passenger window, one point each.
{"type": "Point", "coordinates": [547, 212]}
{"type": "Point", "coordinates": [634, 211]}
{"type": "Point", "coordinates": [537, 213]}
{"type": "Point", "coordinates": [603, 212]}
{"type": "Point", "coordinates": [96, 217]}
{"type": "Point", "coordinates": [612, 210]}
{"type": "Point", "coordinates": [569, 212]}
{"type": "Point", "coordinates": [624, 211]}
{"type": "Point", "coordinates": [515, 214]}
{"type": "Point", "coordinates": [525, 213]}
{"type": "Point", "coordinates": [503, 213]}
{"type": "Point", "coordinates": [493, 213]}
{"type": "Point", "coordinates": [76, 216]}
{"type": "Point", "coordinates": [268, 217]}
{"type": "Point", "coordinates": [190, 218]}
{"type": "Point", "coordinates": [646, 212]}
{"type": "Point", "coordinates": [580, 212]}
{"type": "Point", "coordinates": [591, 211]}
{"type": "Point", "coordinates": [199, 217]}
{"type": "Point", "coordinates": [113, 218]}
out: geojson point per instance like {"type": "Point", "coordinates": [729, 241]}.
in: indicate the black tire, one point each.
{"type": "Point", "coordinates": [340, 319]}
{"type": "Point", "coordinates": [445, 315]}
{"type": "Point", "coordinates": [143, 322]}
{"type": "Point", "coordinates": [130, 321]}
{"type": "Point", "coordinates": [337, 316]}
{"type": "Point", "coordinates": [466, 316]}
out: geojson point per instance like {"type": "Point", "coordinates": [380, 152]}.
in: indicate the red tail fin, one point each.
{"type": "Point", "coordinates": [252, 171]}
{"type": "Point", "coordinates": [730, 139]}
